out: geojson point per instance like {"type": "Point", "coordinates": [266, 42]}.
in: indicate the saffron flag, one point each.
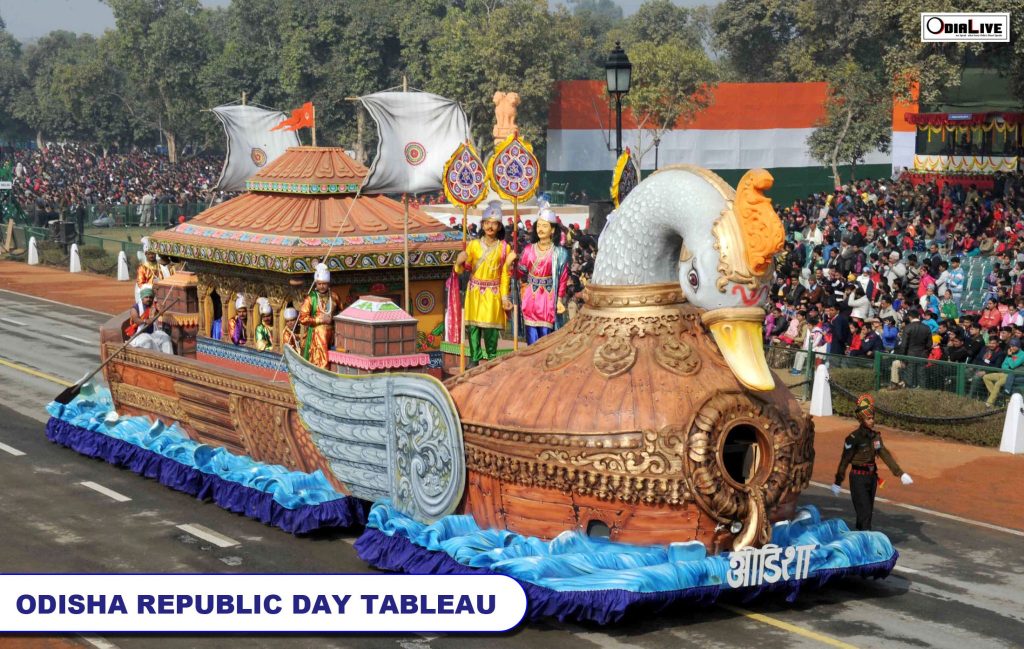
{"type": "Point", "coordinates": [251, 144]}
{"type": "Point", "coordinates": [418, 132]}
{"type": "Point", "coordinates": [304, 117]}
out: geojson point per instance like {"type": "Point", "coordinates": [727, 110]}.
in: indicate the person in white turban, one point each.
{"type": "Point", "coordinates": [290, 333]}
{"type": "Point", "coordinates": [148, 270]}
{"type": "Point", "coordinates": [317, 315]}
{"type": "Point", "coordinates": [238, 335]}
{"type": "Point", "coordinates": [143, 315]}
{"type": "Point", "coordinates": [265, 329]}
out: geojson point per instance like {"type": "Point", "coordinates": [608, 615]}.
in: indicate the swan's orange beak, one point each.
{"type": "Point", "coordinates": [739, 333]}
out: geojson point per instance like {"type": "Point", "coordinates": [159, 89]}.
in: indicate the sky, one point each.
{"type": "Point", "coordinates": [27, 20]}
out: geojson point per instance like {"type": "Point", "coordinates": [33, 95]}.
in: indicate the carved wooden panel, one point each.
{"type": "Point", "coordinates": [263, 430]}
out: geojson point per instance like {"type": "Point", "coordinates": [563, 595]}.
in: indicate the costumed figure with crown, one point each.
{"type": "Point", "coordinates": [289, 334]}
{"type": "Point", "coordinates": [317, 315]}
{"type": "Point", "coordinates": [490, 260]}
{"type": "Point", "coordinates": [264, 330]}
{"type": "Point", "coordinates": [238, 333]}
{"type": "Point", "coordinates": [544, 270]}
{"type": "Point", "coordinates": [148, 270]}
{"type": "Point", "coordinates": [860, 449]}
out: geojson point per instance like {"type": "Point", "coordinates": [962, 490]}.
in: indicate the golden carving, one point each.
{"type": "Point", "coordinates": [760, 226]}
{"type": "Point", "coordinates": [629, 296]}
{"type": "Point", "coordinates": [263, 430]}
{"type": "Point", "coordinates": [677, 356]}
{"type": "Point", "coordinates": [205, 375]}
{"type": "Point", "coordinates": [619, 325]}
{"type": "Point", "coordinates": [615, 357]}
{"type": "Point", "coordinates": [785, 458]}
{"type": "Point", "coordinates": [159, 404]}
{"type": "Point", "coordinates": [640, 466]}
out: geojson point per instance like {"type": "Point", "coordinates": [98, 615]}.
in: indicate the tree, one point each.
{"type": "Point", "coordinates": [672, 82]}
{"type": "Point", "coordinates": [162, 46]}
{"type": "Point", "coordinates": [88, 88]}
{"type": "Point", "coordinates": [12, 79]}
{"type": "Point", "coordinates": [754, 35]}
{"type": "Point", "coordinates": [856, 122]}
{"type": "Point", "coordinates": [936, 66]}
{"type": "Point", "coordinates": [490, 46]}
{"type": "Point", "coordinates": [37, 104]}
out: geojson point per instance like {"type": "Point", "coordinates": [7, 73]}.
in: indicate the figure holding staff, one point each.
{"type": "Point", "coordinates": [514, 172]}
{"type": "Point", "coordinates": [464, 183]}
{"type": "Point", "coordinates": [489, 259]}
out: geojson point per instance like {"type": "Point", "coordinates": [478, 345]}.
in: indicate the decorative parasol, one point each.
{"type": "Point", "coordinates": [464, 182]}
{"type": "Point", "coordinates": [514, 173]}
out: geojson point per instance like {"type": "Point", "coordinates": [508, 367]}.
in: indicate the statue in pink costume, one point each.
{"type": "Point", "coordinates": [543, 270]}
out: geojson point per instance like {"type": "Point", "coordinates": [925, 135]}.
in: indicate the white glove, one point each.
{"type": "Point", "coordinates": [906, 479]}
{"type": "Point", "coordinates": [836, 488]}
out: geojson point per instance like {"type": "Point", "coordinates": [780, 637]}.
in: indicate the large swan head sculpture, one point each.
{"type": "Point", "coordinates": [685, 223]}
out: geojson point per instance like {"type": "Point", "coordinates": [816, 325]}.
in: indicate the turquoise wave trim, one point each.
{"type": "Point", "coordinates": [573, 561]}
{"type": "Point", "coordinates": [290, 489]}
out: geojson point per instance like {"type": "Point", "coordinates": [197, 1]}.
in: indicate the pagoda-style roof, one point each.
{"type": "Point", "coordinates": [310, 170]}
{"type": "Point", "coordinates": [371, 309]}
{"type": "Point", "coordinates": [310, 210]}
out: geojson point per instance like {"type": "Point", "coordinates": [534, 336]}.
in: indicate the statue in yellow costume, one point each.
{"type": "Point", "coordinates": [148, 270]}
{"type": "Point", "coordinates": [490, 260]}
{"type": "Point", "coordinates": [317, 314]}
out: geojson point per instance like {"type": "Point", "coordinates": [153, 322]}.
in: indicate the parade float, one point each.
{"type": "Point", "coordinates": [641, 455]}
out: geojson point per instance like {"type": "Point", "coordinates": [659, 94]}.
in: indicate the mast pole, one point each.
{"type": "Point", "coordinates": [516, 298]}
{"type": "Point", "coordinates": [462, 320]}
{"type": "Point", "coordinates": [314, 125]}
{"type": "Point", "coordinates": [405, 201]}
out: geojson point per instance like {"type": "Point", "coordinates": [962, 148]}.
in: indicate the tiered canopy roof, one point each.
{"type": "Point", "coordinates": [303, 206]}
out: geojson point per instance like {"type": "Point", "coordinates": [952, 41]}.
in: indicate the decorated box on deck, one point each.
{"type": "Point", "coordinates": [180, 294]}
{"type": "Point", "coordinates": [376, 335]}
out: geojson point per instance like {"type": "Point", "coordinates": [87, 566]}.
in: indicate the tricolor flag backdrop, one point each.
{"type": "Point", "coordinates": [748, 125]}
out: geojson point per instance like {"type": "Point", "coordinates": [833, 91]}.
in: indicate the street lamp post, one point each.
{"type": "Point", "coordinates": [657, 143]}
{"type": "Point", "coordinates": [619, 73]}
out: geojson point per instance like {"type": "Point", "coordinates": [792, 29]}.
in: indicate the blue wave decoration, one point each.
{"type": "Point", "coordinates": [575, 577]}
{"type": "Point", "coordinates": [294, 501]}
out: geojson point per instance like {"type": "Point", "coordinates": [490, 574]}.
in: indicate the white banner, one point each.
{"type": "Point", "coordinates": [251, 143]}
{"type": "Point", "coordinates": [417, 133]}
{"type": "Point", "coordinates": [261, 603]}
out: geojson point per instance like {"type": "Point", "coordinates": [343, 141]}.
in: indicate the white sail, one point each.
{"type": "Point", "coordinates": [417, 133]}
{"type": "Point", "coordinates": [251, 143]}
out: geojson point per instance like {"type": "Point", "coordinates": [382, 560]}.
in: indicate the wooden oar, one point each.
{"type": "Point", "coordinates": [71, 392]}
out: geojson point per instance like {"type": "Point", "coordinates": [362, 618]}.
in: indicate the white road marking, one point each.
{"type": "Point", "coordinates": [64, 304]}
{"type": "Point", "coordinates": [98, 642]}
{"type": "Point", "coordinates": [10, 449]}
{"type": "Point", "coordinates": [110, 493]}
{"type": "Point", "coordinates": [923, 510]}
{"type": "Point", "coordinates": [909, 571]}
{"type": "Point", "coordinates": [79, 340]}
{"type": "Point", "coordinates": [206, 534]}
{"type": "Point", "coordinates": [13, 322]}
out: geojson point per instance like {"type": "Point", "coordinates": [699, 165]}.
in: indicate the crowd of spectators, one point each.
{"type": "Point", "coordinates": [877, 266]}
{"type": "Point", "coordinates": [61, 177]}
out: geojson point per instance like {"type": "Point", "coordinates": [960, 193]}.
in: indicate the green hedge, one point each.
{"type": "Point", "coordinates": [930, 403]}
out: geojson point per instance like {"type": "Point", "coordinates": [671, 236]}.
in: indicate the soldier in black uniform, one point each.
{"type": "Point", "coordinates": [861, 448]}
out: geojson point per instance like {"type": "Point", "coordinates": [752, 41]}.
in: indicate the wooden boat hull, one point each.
{"type": "Point", "coordinates": [246, 414]}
